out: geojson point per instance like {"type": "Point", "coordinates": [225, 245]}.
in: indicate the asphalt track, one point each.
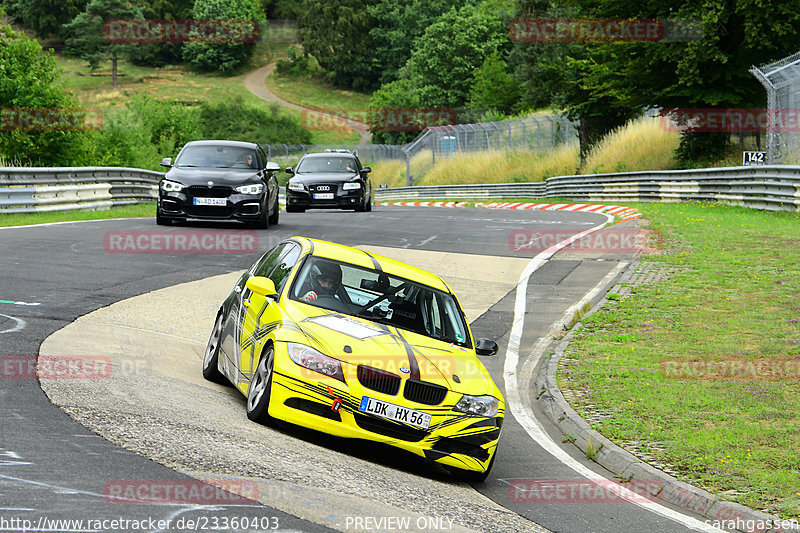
{"type": "Point", "coordinates": [52, 467]}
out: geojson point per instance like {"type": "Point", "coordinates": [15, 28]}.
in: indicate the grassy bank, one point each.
{"type": "Point", "coordinates": [129, 211]}
{"type": "Point", "coordinates": [314, 93]}
{"type": "Point", "coordinates": [176, 83]}
{"type": "Point", "coordinates": [702, 372]}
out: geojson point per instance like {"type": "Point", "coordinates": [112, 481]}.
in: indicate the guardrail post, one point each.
{"type": "Point", "coordinates": [409, 180]}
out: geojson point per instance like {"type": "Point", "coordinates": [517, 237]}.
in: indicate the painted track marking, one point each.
{"type": "Point", "coordinates": [525, 416]}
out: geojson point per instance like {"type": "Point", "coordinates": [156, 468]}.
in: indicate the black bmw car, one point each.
{"type": "Point", "coordinates": [329, 180]}
{"type": "Point", "coordinates": [219, 180]}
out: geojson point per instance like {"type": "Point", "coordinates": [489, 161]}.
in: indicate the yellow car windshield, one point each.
{"type": "Point", "coordinates": [382, 298]}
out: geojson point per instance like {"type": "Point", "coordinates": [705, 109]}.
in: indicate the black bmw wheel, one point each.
{"type": "Point", "coordinates": [273, 219]}
{"type": "Point", "coordinates": [211, 357]}
{"type": "Point", "coordinates": [263, 220]}
{"type": "Point", "coordinates": [160, 220]}
{"type": "Point", "coordinates": [260, 388]}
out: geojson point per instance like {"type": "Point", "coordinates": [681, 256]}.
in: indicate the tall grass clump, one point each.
{"type": "Point", "coordinates": [502, 167]}
{"type": "Point", "coordinates": [642, 144]}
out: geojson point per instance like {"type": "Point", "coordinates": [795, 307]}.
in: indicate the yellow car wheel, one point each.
{"type": "Point", "coordinates": [210, 370]}
{"type": "Point", "coordinates": [259, 392]}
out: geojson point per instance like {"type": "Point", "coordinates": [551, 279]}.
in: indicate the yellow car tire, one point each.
{"type": "Point", "coordinates": [260, 388]}
{"type": "Point", "coordinates": [211, 357]}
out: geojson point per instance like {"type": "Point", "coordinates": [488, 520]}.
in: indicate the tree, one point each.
{"type": "Point", "coordinates": [336, 33]}
{"type": "Point", "coordinates": [440, 71]}
{"type": "Point", "coordinates": [45, 17]}
{"type": "Point", "coordinates": [282, 9]}
{"type": "Point", "coordinates": [29, 86]}
{"type": "Point", "coordinates": [710, 71]}
{"type": "Point", "coordinates": [552, 74]}
{"type": "Point", "coordinates": [85, 36]}
{"type": "Point", "coordinates": [398, 94]}
{"type": "Point", "coordinates": [222, 56]}
{"type": "Point", "coordinates": [160, 54]}
{"type": "Point", "coordinates": [442, 65]}
{"type": "Point", "coordinates": [494, 88]}
{"type": "Point", "coordinates": [397, 23]}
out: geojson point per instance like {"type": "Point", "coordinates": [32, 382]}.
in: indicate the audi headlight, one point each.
{"type": "Point", "coordinates": [171, 186]}
{"type": "Point", "coordinates": [478, 405]}
{"type": "Point", "coordinates": [309, 358]}
{"type": "Point", "coordinates": [351, 186]}
{"type": "Point", "coordinates": [299, 187]}
{"type": "Point", "coordinates": [256, 188]}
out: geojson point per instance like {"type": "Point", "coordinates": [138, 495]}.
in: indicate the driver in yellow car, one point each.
{"type": "Point", "coordinates": [325, 283]}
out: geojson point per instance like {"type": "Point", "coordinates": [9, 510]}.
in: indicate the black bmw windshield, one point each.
{"type": "Point", "coordinates": [210, 156]}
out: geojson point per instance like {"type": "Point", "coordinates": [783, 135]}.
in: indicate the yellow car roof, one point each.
{"type": "Point", "coordinates": [354, 256]}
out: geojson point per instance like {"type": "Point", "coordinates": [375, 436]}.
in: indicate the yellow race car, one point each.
{"type": "Point", "coordinates": [358, 345]}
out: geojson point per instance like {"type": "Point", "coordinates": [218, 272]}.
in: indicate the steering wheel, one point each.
{"type": "Point", "coordinates": [332, 303]}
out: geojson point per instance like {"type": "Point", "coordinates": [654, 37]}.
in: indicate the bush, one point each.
{"type": "Point", "coordinates": [144, 132]}
{"type": "Point", "coordinates": [237, 121]}
{"type": "Point", "coordinates": [701, 147]}
{"type": "Point", "coordinates": [294, 66]}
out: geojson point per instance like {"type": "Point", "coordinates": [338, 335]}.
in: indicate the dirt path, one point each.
{"type": "Point", "coordinates": [255, 83]}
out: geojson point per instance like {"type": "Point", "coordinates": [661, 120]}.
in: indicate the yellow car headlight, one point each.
{"type": "Point", "coordinates": [309, 358]}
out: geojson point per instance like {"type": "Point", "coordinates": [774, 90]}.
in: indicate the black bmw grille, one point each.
{"type": "Point", "coordinates": [422, 392]}
{"type": "Point", "coordinates": [208, 211]}
{"type": "Point", "coordinates": [378, 380]}
{"type": "Point", "coordinates": [202, 191]}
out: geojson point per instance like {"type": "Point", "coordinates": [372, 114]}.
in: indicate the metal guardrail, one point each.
{"type": "Point", "coordinates": [764, 187]}
{"type": "Point", "coordinates": [28, 190]}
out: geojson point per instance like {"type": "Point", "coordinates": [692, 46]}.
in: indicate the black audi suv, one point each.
{"type": "Point", "coordinates": [219, 180]}
{"type": "Point", "coordinates": [329, 180]}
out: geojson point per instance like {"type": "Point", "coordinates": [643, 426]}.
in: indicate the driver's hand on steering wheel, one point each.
{"type": "Point", "coordinates": [309, 296]}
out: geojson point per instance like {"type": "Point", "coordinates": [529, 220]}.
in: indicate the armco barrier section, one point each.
{"type": "Point", "coordinates": [763, 187]}
{"type": "Point", "coordinates": [28, 190]}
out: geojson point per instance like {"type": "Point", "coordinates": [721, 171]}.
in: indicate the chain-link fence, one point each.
{"type": "Point", "coordinates": [781, 79]}
{"type": "Point", "coordinates": [534, 134]}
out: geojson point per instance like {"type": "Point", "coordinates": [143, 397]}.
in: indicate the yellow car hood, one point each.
{"type": "Point", "coordinates": [409, 355]}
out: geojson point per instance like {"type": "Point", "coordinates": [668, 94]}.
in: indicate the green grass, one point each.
{"type": "Point", "coordinates": [314, 93]}
{"type": "Point", "coordinates": [735, 295]}
{"type": "Point", "coordinates": [129, 211]}
{"type": "Point", "coordinates": [176, 83]}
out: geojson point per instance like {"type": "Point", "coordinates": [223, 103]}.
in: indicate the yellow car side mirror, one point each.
{"type": "Point", "coordinates": [261, 285]}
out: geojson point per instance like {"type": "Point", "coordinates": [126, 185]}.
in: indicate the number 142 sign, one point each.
{"type": "Point", "coordinates": [754, 158]}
